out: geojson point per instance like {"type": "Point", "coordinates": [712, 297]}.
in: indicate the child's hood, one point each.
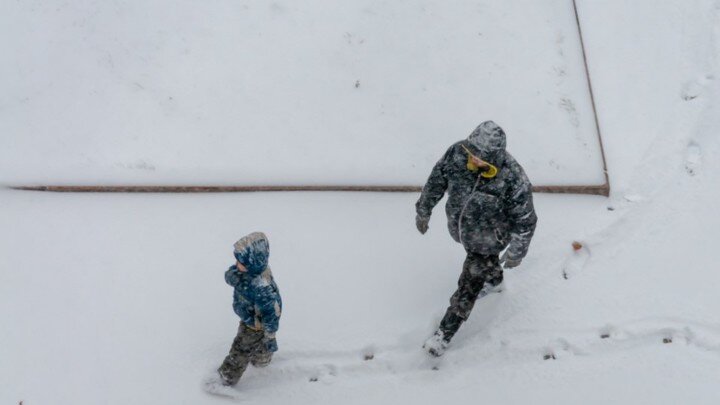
{"type": "Point", "coordinates": [253, 252]}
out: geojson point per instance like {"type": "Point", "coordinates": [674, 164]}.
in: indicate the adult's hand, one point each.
{"type": "Point", "coordinates": [508, 261]}
{"type": "Point", "coordinates": [422, 223]}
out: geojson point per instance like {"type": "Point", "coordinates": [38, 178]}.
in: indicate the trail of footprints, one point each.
{"type": "Point", "coordinates": [326, 368]}
{"type": "Point", "coordinates": [610, 338]}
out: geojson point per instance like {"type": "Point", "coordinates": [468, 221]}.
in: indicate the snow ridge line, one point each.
{"type": "Point", "coordinates": [592, 96]}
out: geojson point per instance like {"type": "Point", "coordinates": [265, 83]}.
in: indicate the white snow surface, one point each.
{"type": "Point", "coordinates": [120, 299]}
{"type": "Point", "coordinates": [286, 92]}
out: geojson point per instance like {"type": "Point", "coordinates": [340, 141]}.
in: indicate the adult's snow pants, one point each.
{"type": "Point", "coordinates": [477, 270]}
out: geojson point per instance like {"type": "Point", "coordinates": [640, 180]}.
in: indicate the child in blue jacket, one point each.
{"type": "Point", "coordinates": [257, 302]}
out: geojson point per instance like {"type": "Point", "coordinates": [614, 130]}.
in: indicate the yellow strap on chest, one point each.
{"type": "Point", "coordinates": [488, 173]}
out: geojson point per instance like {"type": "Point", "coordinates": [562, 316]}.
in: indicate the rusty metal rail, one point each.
{"type": "Point", "coordinates": [593, 190]}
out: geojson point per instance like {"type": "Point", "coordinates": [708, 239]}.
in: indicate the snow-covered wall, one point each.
{"type": "Point", "coordinates": [288, 92]}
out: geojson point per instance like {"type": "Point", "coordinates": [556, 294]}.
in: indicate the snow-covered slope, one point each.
{"type": "Point", "coordinates": [120, 299]}
{"type": "Point", "coordinates": [286, 92]}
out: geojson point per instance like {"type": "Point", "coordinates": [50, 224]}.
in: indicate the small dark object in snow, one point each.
{"type": "Point", "coordinates": [368, 356]}
{"type": "Point", "coordinates": [357, 84]}
{"type": "Point", "coordinates": [313, 379]}
{"type": "Point", "coordinates": [611, 208]}
{"type": "Point", "coordinates": [604, 336]}
{"type": "Point", "coordinates": [565, 275]}
{"type": "Point", "coordinates": [549, 356]}
{"type": "Point", "coordinates": [667, 340]}
{"type": "Point", "coordinates": [435, 368]}
{"type": "Point", "coordinates": [577, 246]}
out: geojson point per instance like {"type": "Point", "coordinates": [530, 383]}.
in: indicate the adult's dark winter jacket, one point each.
{"type": "Point", "coordinates": [485, 215]}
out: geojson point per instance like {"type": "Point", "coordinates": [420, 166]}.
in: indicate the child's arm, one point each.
{"type": "Point", "coordinates": [268, 304]}
{"type": "Point", "coordinates": [232, 276]}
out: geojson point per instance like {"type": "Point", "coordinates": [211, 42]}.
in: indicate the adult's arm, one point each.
{"type": "Point", "coordinates": [521, 212]}
{"type": "Point", "coordinates": [435, 187]}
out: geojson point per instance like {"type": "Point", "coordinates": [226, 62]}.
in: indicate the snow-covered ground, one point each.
{"type": "Point", "coordinates": [120, 299]}
{"type": "Point", "coordinates": [286, 92]}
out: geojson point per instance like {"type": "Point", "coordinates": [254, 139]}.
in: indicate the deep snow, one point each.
{"type": "Point", "coordinates": [120, 299]}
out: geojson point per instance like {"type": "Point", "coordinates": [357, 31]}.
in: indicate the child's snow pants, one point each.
{"type": "Point", "coordinates": [247, 348]}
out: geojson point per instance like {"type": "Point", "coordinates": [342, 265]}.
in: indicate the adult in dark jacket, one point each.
{"type": "Point", "coordinates": [489, 209]}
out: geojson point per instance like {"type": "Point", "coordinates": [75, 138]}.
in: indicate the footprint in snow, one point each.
{"type": "Point", "coordinates": [694, 88]}
{"type": "Point", "coordinates": [325, 371]}
{"type": "Point", "coordinates": [368, 353]}
{"type": "Point", "coordinates": [693, 158]}
{"type": "Point", "coordinates": [576, 261]}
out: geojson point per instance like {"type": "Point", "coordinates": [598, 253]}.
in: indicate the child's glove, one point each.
{"type": "Point", "coordinates": [270, 344]}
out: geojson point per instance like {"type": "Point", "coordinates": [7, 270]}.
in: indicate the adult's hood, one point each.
{"type": "Point", "coordinates": [253, 252]}
{"type": "Point", "coordinates": [488, 141]}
